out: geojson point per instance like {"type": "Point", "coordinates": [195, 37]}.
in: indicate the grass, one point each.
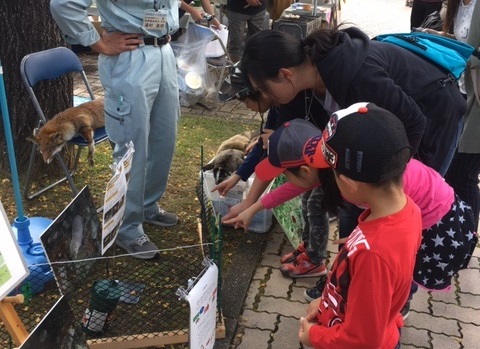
{"type": "Point", "coordinates": [180, 197]}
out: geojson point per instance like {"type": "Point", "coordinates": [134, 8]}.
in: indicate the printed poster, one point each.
{"type": "Point", "coordinates": [13, 269]}
{"type": "Point", "coordinates": [203, 310]}
{"type": "Point", "coordinates": [114, 202]}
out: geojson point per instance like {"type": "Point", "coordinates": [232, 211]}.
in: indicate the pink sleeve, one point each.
{"type": "Point", "coordinates": [283, 193]}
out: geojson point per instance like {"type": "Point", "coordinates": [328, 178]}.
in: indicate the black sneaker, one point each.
{"type": "Point", "coordinates": [316, 292]}
{"type": "Point", "coordinates": [405, 311]}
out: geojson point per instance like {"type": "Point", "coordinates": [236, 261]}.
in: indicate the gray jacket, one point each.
{"type": "Point", "coordinates": [470, 139]}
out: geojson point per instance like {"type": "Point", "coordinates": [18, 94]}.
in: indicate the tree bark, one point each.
{"type": "Point", "coordinates": [26, 27]}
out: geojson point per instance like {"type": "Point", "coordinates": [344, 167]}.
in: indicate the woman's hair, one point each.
{"type": "Point", "coordinates": [332, 198]}
{"type": "Point", "coordinates": [452, 7]}
{"type": "Point", "coordinates": [268, 51]}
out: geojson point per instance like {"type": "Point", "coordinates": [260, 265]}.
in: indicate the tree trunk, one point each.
{"type": "Point", "coordinates": [26, 27]}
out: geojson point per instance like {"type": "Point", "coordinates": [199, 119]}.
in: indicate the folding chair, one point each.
{"type": "Point", "coordinates": [48, 65]}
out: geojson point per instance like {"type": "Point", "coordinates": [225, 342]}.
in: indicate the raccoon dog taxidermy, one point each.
{"type": "Point", "coordinates": [83, 120]}
{"type": "Point", "coordinates": [230, 155]}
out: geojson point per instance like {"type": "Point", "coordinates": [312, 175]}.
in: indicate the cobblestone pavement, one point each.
{"type": "Point", "coordinates": [274, 304]}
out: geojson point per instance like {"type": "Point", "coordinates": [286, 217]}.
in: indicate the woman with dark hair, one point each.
{"type": "Point", "coordinates": [462, 22]}
{"type": "Point", "coordinates": [347, 67]}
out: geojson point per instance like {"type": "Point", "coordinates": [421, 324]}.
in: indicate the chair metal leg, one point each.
{"type": "Point", "coordinates": [28, 180]}
{"type": "Point", "coordinates": [68, 175]}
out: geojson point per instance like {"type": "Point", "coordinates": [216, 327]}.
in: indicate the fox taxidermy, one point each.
{"type": "Point", "coordinates": [80, 120]}
{"type": "Point", "coordinates": [230, 155]}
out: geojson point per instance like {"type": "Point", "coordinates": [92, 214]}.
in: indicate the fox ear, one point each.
{"type": "Point", "coordinates": [57, 138]}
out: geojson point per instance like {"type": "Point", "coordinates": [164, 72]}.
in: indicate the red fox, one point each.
{"type": "Point", "coordinates": [83, 120]}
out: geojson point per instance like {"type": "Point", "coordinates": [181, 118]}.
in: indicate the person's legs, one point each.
{"type": "Point", "coordinates": [131, 82]}
{"type": "Point", "coordinates": [463, 175]}
{"type": "Point", "coordinates": [318, 226]}
{"type": "Point", "coordinates": [236, 34]}
{"type": "Point", "coordinates": [256, 23]}
{"type": "Point", "coordinates": [161, 140]}
{"type": "Point", "coordinates": [312, 262]}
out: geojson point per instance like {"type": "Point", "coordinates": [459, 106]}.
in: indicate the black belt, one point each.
{"type": "Point", "coordinates": [157, 41]}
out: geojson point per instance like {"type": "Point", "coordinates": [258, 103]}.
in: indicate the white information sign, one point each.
{"type": "Point", "coordinates": [203, 310]}
{"type": "Point", "coordinates": [13, 269]}
{"type": "Point", "coordinates": [114, 202]}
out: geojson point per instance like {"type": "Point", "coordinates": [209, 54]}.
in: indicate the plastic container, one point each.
{"type": "Point", "coordinates": [105, 295]}
{"type": "Point", "coordinates": [261, 222]}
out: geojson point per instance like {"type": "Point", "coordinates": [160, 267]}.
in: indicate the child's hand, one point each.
{"type": "Point", "coordinates": [242, 220]}
{"type": "Point", "coordinates": [226, 185]}
{"type": "Point", "coordinates": [235, 210]}
{"type": "Point", "coordinates": [340, 241]}
{"type": "Point", "coordinates": [312, 309]}
{"type": "Point", "coordinates": [303, 332]}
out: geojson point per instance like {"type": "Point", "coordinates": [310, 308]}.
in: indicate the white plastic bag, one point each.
{"type": "Point", "coordinates": [189, 51]}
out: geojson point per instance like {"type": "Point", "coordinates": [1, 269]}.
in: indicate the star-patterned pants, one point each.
{"type": "Point", "coordinates": [446, 248]}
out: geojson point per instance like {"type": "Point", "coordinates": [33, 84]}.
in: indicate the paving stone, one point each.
{"type": "Point", "coordinates": [281, 306]}
{"type": "Point", "coordinates": [270, 260]}
{"type": "Point", "coordinates": [434, 324]}
{"type": "Point", "coordinates": [469, 280]}
{"type": "Point", "coordinates": [420, 301]}
{"type": "Point", "coordinates": [255, 339]}
{"type": "Point", "coordinates": [445, 297]}
{"type": "Point", "coordinates": [274, 246]}
{"type": "Point", "coordinates": [261, 273]}
{"type": "Point", "coordinates": [287, 334]}
{"type": "Point", "coordinates": [476, 253]}
{"type": "Point", "coordinates": [260, 320]}
{"type": "Point", "coordinates": [474, 262]}
{"type": "Point", "coordinates": [297, 294]}
{"type": "Point", "coordinates": [441, 341]}
{"type": "Point", "coordinates": [471, 336]}
{"type": "Point", "coordinates": [253, 291]}
{"type": "Point", "coordinates": [406, 346]}
{"type": "Point", "coordinates": [306, 282]}
{"type": "Point", "coordinates": [469, 300]}
{"type": "Point", "coordinates": [277, 285]}
{"type": "Point", "coordinates": [462, 314]}
{"type": "Point", "coordinates": [417, 338]}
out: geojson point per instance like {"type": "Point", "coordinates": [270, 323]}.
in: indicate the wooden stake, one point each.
{"type": "Point", "coordinates": [12, 321]}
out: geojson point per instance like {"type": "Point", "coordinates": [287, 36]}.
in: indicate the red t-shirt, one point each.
{"type": "Point", "coordinates": [369, 283]}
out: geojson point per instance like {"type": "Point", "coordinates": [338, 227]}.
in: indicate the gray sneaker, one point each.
{"type": "Point", "coordinates": [162, 218]}
{"type": "Point", "coordinates": [141, 247]}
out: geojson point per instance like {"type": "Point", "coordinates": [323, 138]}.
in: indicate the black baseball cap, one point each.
{"type": "Point", "coordinates": [360, 140]}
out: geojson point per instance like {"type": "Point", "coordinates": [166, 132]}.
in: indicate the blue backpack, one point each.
{"type": "Point", "coordinates": [448, 54]}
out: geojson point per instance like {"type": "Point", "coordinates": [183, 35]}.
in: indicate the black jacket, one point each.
{"type": "Point", "coordinates": [362, 70]}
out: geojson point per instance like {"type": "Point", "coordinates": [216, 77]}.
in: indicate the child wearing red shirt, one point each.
{"type": "Point", "coordinates": [370, 279]}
